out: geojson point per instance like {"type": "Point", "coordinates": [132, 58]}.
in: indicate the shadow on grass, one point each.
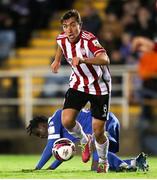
{"type": "Point", "coordinates": [44, 171]}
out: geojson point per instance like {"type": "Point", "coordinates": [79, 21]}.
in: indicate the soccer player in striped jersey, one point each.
{"type": "Point", "coordinates": [90, 81]}
{"type": "Point", "coordinates": [52, 129]}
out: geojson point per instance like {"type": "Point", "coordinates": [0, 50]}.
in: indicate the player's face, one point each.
{"type": "Point", "coordinates": [72, 29]}
{"type": "Point", "coordinates": [41, 130]}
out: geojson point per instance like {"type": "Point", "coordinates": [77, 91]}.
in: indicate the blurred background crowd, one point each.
{"type": "Point", "coordinates": [119, 23]}
{"type": "Point", "coordinates": [28, 29]}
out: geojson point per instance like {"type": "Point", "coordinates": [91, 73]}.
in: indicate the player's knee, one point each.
{"type": "Point", "coordinates": [67, 122]}
{"type": "Point", "coordinates": [68, 118]}
{"type": "Point", "coordinates": [98, 133]}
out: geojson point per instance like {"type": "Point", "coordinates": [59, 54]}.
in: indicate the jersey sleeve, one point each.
{"type": "Point", "coordinates": [54, 132]}
{"type": "Point", "coordinates": [55, 164]}
{"type": "Point", "coordinates": [46, 155]}
{"type": "Point", "coordinates": [95, 47]}
{"type": "Point", "coordinates": [113, 129]}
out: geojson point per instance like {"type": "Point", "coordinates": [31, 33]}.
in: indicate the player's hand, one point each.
{"type": "Point", "coordinates": [55, 66]}
{"type": "Point", "coordinates": [76, 61]}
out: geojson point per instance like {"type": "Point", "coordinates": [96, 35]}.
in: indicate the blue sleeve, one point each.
{"type": "Point", "coordinates": [113, 129]}
{"type": "Point", "coordinates": [46, 155]}
{"type": "Point", "coordinates": [55, 129]}
{"type": "Point", "coordinates": [55, 164]}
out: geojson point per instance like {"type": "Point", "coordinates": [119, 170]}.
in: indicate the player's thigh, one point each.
{"type": "Point", "coordinates": [100, 106]}
{"type": "Point", "coordinates": [75, 99]}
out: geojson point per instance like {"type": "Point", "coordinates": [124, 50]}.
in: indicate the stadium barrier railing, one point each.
{"type": "Point", "coordinates": [27, 100]}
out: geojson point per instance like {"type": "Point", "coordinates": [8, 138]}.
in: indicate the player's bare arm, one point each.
{"type": "Point", "coordinates": [99, 59]}
{"type": "Point", "coordinates": [57, 61]}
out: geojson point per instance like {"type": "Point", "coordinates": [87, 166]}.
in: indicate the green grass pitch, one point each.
{"type": "Point", "coordinates": [16, 166]}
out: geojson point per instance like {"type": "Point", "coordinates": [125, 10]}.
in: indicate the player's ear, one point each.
{"type": "Point", "coordinates": [45, 125]}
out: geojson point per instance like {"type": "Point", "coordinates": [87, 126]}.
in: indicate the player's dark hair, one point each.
{"type": "Point", "coordinates": [34, 123]}
{"type": "Point", "coordinates": [72, 13]}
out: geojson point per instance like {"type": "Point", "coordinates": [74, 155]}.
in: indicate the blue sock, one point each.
{"type": "Point", "coordinates": [114, 161]}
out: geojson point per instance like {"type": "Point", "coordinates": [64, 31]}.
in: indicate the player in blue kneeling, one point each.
{"type": "Point", "coordinates": [53, 129]}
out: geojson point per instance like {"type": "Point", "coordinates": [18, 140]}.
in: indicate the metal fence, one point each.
{"type": "Point", "coordinates": [28, 87]}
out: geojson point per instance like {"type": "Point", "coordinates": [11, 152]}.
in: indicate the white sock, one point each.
{"type": "Point", "coordinates": [123, 164]}
{"type": "Point", "coordinates": [133, 162]}
{"type": "Point", "coordinates": [78, 132]}
{"type": "Point", "coordinates": [102, 150]}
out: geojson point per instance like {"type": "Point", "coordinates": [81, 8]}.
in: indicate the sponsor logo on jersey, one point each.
{"type": "Point", "coordinates": [96, 43]}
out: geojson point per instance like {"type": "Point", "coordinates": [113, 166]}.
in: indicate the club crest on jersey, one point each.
{"type": "Point", "coordinates": [96, 43]}
{"type": "Point", "coordinates": [83, 51]}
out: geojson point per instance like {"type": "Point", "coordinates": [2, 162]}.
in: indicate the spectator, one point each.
{"type": "Point", "coordinates": [110, 33]}
{"type": "Point", "coordinates": [21, 15]}
{"type": "Point", "coordinates": [108, 40]}
{"type": "Point", "coordinates": [117, 59]}
{"type": "Point", "coordinates": [125, 48]}
{"type": "Point", "coordinates": [7, 34]}
{"type": "Point", "coordinates": [143, 25]}
{"type": "Point", "coordinates": [112, 23]}
{"type": "Point", "coordinates": [114, 7]}
{"type": "Point", "coordinates": [44, 10]}
{"type": "Point", "coordinates": [147, 72]}
{"type": "Point", "coordinates": [91, 19]}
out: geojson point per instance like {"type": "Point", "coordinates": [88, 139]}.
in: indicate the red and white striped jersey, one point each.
{"type": "Point", "coordinates": [91, 79]}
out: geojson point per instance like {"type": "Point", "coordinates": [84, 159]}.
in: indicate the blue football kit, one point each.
{"type": "Point", "coordinates": [56, 131]}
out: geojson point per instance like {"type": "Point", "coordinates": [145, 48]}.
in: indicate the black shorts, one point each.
{"type": "Point", "coordinates": [77, 100]}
